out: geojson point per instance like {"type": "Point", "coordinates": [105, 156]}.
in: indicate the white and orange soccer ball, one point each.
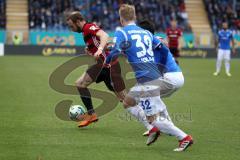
{"type": "Point", "coordinates": [76, 112]}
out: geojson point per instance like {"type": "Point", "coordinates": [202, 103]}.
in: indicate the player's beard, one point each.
{"type": "Point", "coordinates": [79, 29]}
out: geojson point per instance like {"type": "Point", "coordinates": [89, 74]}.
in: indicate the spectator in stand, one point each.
{"type": "Point", "coordinates": [2, 14]}
{"type": "Point", "coordinates": [49, 14]}
{"type": "Point", "coordinates": [220, 11]}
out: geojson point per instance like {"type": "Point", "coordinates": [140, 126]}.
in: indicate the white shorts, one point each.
{"type": "Point", "coordinates": [172, 81]}
{"type": "Point", "coordinates": [151, 105]}
{"type": "Point", "coordinates": [145, 90]}
{"type": "Point", "coordinates": [224, 54]}
{"type": "Point", "coordinates": [148, 94]}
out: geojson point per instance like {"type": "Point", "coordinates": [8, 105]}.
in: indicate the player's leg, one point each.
{"type": "Point", "coordinates": [82, 83]}
{"type": "Point", "coordinates": [117, 81]}
{"type": "Point", "coordinates": [175, 53]}
{"type": "Point", "coordinates": [140, 94]}
{"type": "Point", "coordinates": [140, 115]}
{"type": "Point", "coordinates": [149, 105]}
{"type": "Point", "coordinates": [129, 103]}
{"type": "Point", "coordinates": [120, 92]}
{"type": "Point", "coordinates": [170, 83]}
{"type": "Point", "coordinates": [137, 111]}
{"type": "Point", "coordinates": [175, 78]}
{"type": "Point", "coordinates": [164, 123]}
{"type": "Point", "coordinates": [227, 58]}
{"type": "Point", "coordinates": [220, 57]}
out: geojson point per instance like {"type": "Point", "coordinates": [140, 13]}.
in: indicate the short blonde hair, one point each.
{"type": "Point", "coordinates": [127, 12]}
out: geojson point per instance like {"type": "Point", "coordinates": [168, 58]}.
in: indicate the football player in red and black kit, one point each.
{"type": "Point", "coordinates": [96, 40]}
{"type": "Point", "coordinates": [173, 34]}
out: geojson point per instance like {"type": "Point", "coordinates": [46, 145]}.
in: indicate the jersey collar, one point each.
{"type": "Point", "coordinates": [133, 23]}
{"type": "Point", "coordinates": [84, 26]}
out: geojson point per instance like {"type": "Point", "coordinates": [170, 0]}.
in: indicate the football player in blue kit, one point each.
{"type": "Point", "coordinates": [224, 40]}
{"type": "Point", "coordinates": [166, 64]}
{"type": "Point", "coordinates": [172, 75]}
{"type": "Point", "coordinates": [138, 44]}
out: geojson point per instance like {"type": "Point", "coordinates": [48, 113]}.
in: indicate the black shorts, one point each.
{"type": "Point", "coordinates": [175, 52]}
{"type": "Point", "coordinates": [110, 76]}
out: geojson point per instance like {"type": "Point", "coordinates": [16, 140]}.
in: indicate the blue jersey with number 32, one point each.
{"type": "Point", "coordinates": [137, 44]}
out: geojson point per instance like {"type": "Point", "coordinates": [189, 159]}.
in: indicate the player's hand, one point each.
{"type": "Point", "coordinates": [164, 42]}
{"type": "Point", "coordinates": [107, 65]}
{"type": "Point", "coordinates": [98, 53]}
{"type": "Point", "coordinates": [234, 51]}
{"type": "Point", "coordinates": [86, 50]}
{"type": "Point", "coordinates": [179, 48]}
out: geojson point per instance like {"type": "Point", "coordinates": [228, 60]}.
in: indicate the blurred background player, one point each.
{"type": "Point", "coordinates": [96, 40]}
{"type": "Point", "coordinates": [173, 34]}
{"type": "Point", "coordinates": [172, 80]}
{"type": "Point", "coordinates": [223, 41]}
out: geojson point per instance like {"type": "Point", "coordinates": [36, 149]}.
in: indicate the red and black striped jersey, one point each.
{"type": "Point", "coordinates": [89, 32]}
{"type": "Point", "coordinates": [173, 36]}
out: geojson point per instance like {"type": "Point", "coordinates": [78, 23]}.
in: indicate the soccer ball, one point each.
{"type": "Point", "coordinates": [76, 111]}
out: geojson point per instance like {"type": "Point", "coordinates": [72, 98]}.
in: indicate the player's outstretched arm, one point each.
{"type": "Point", "coordinates": [119, 39]}
{"type": "Point", "coordinates": [158, 45]}
{"type": "Point", "coordinates": [113, 55]}
{"type": "Point", "coordinates": [103, 36]}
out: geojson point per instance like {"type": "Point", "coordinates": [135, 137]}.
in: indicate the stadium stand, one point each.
{"type": "Point", "coordinates": [42, 14]}
{"type": "Point", "coordinates": [223, 10]}
{"type": "Point", "coordinates": [47, 14]}
{"type": "Point", "coordinates": [2, 14]}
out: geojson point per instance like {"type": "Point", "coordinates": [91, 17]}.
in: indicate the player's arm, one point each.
{"type": "Point", "coordinates": [217, 41]}
{"type": "Point", "coordinates": [167, 36]}
{"type": "Point", "coordinates": [157, 44]}
{"type": "Point", "coordinates": [233, 45]}
{"type": "Point", "coordinates": [180, 35]}
{"type": "Point", "coordinates": [116, 50]}
{"type": "Point", "coordinates": [103, 36]}
{"type": "Point", "coordinates": [164, 41]}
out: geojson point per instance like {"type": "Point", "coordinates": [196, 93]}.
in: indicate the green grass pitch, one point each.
{"type": "Point", "coordinates": [207, 107]}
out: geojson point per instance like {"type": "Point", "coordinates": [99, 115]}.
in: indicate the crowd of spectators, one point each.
{"type": "Point", "coordinates": [2, 14]}
{"type": "Point", "coordinates": [161, 12]}
{"type": "Point", "coordinates": [47, 14]}
{"type": "Point", "coordinates": [50, 14]}
{"type": "Point", "coordinates": [223, 11]}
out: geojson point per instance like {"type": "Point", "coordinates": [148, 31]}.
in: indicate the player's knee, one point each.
{"type": "Point", "coordinates": [121, 95]}
{"type": "Point", "coordinates": [80, 84]}
{"type": "Point", "coordinates": [125, 105]}
{"type": "Point", "coordinates": [227, 60]}
{"type": "Point", "coordinates": [151, 118]}
{"type": "Point", "coordinates": [129, 102]}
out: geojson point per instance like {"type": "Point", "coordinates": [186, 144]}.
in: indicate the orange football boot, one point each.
{"type": "Point", "coordinates": [88, 119]}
